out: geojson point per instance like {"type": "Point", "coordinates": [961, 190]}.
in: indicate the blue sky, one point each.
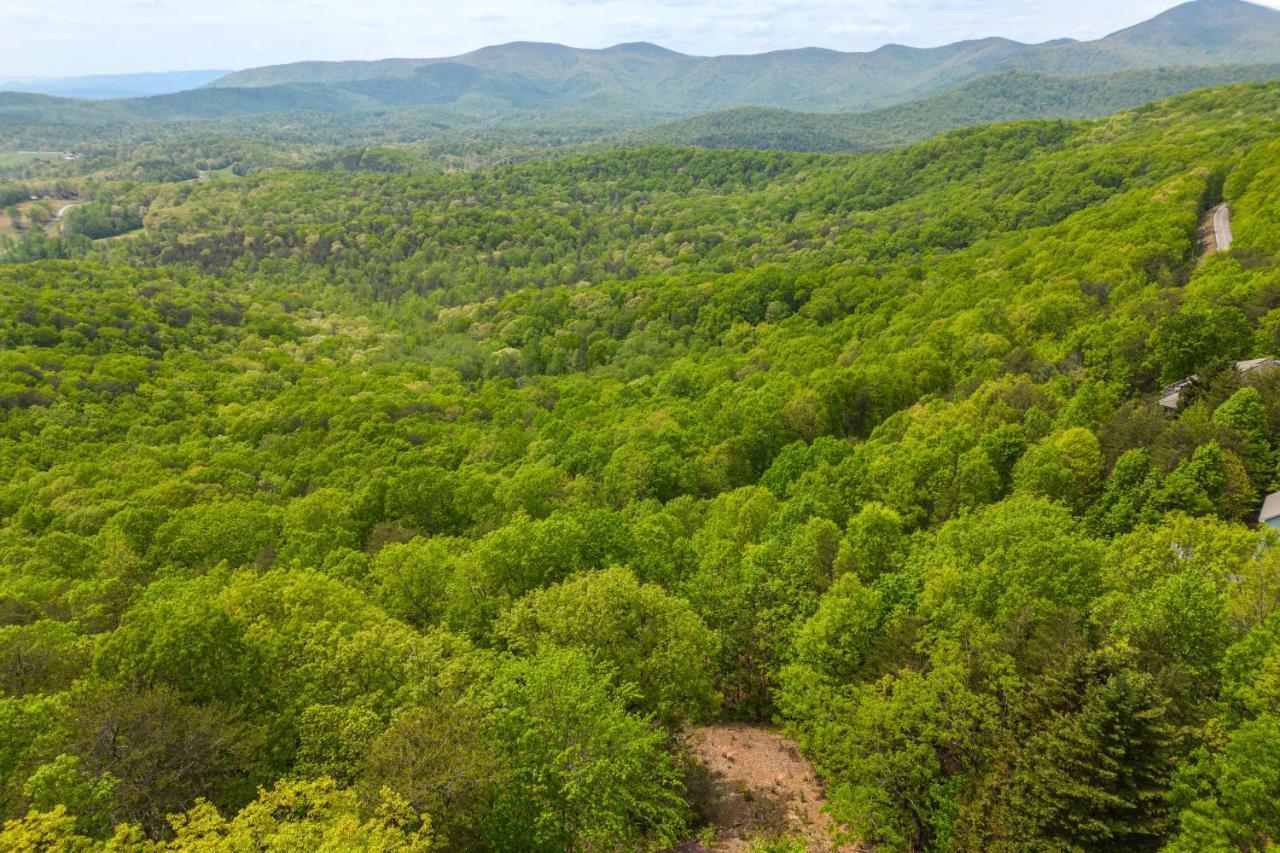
{"type": "Point", "coordinates": [70, 37]}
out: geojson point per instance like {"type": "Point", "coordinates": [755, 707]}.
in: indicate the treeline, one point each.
{"type": "Point", "coordinates": [103, 219]}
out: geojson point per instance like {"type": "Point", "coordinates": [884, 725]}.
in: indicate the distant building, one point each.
{"type": "Point", "coordinates": [1171, 395]}
{"type": "Point", "coordinates": [1257, 365]}
{"type": "Point", "coordinates": [1270, 515]}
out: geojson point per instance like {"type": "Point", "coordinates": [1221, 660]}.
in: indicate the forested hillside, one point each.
{"type": "Point", "coordinates": [523, 96]}
{"type": "Point", "coordinates": [371, 507]}
{"type": "Point", "coordinates": [1006, 96]}
{"type": "Point", "coordinates": [643, 77]}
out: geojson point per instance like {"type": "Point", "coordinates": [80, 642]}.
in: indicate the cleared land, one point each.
{"type": "Point", "coordinates": [754, 785]}
{"type": "Point", "coordinates": [17, 158]}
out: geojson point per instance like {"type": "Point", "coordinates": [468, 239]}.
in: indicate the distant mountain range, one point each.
{"type": "Point", "coordinates": [111, 86]}
{"type": "Point", "coordinates": [809, 98]}
{"type": "Point", "coordinates": [652, 79]}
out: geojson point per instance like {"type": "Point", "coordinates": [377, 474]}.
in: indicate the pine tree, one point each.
{"type": "Point", "coordinates": [1085, 767]}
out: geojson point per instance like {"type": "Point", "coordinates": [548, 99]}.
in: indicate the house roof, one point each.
{"type": "Point", "coordinates": [1173, 391]}
{"type": "Point", "coordinates": [1270, 508]}
{"type": "Point", "coordinates": [1253, 364]}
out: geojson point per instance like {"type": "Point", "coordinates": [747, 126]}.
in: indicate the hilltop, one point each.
{"type": "Point", "coordinates": [1000, 97]}
{"type": "Point", "coordinates": [654, 80]}
{"type": "Point", "coordinates": [535, 96]}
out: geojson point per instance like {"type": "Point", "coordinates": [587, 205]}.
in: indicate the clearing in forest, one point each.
{"type": "Point", "coordinates": [752, 785]}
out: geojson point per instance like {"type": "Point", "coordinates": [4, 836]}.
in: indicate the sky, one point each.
{"type": "Point", "coordinates": [74, 37]}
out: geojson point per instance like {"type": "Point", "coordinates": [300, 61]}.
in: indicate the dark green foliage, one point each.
{"type": "Point", "coordinates": [102, 220]}
{"type": "Point", "coordinates": [1087, 767]}
{"type": "Point", "coordinates": [158, 754]}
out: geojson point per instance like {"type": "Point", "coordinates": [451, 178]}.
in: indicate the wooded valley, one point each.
{"type": "Point", "coordinates": [364, 499]}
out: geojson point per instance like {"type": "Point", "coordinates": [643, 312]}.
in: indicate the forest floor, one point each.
{"type": "Point", "coordinates": [753, 785]}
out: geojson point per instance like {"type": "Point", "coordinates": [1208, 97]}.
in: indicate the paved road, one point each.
{"type": "Point", "coordinates": [53, 223]}
{"type": "Point", "coordinates": [1222, 227]}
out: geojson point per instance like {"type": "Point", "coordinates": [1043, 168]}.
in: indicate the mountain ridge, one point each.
{"type": "Point", "coordinates": [96, 87]}
{"type": "Point", "coordinates": [837, 100]}
{"type": "Point", "coordinates": [1005, 96]}
{"type": "Point", "coordinates": [1198, 33]}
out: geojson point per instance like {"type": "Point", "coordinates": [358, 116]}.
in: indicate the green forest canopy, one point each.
{"type": "Point", "coordinates": [386, 510]}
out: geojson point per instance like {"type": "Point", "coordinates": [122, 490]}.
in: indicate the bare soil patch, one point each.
{"type": "Point", "coordinates": [752, 784]}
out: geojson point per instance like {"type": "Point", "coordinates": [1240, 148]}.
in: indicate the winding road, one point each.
{"type": "Point", "coordinates": [61, 213]}
{"type": "Point", "coordinates": [1222, 227]}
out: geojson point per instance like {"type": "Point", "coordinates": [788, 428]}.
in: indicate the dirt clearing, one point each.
{"type": "Point", "coordinates": [753, 785]}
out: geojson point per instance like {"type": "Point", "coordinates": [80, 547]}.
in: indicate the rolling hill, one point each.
{"type": "Point", "coordinates": [110, 86]}
{"type": "Point", "coordinates": [450, 511]}
{"type": "Point", "coordinates": [805, 99]}
{"type": "Point", "coordinates": [999, 97]}
{"type": "Point", "coordinates": [655, 80]}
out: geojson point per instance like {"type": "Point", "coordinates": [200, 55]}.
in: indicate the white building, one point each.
{"type": "Point", "coordinates": [1270, 515]}
{"type": "Point", "coordinates": [1171, 395]}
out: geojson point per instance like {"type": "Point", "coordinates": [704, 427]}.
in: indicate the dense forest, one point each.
{"type": "Point", "coordinates": [1000, 97]}
{"type": "Point", "coordinates": [368, 503]}
{"type": "Point", "coordinates": [510, 100]}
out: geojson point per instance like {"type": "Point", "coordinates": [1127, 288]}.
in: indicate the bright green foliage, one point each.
{"type": "Point", "coordinates": [177, 639]}
{"type": "Point", "coordinates": [38, 831]}
{"type": "Point", "coordinates": [1066, 467]}
{"type": "Point", "coordinates": [916, 738]}
{"type": "Point", "coordinates": [1128, 497]}
{"type": "Point", "coordinates": [297, 816]}
{"type": "Point", "coordinates": [873, 542]}
{"type": "Point", "coordinates": [61, 784]}
{"type": "Point", "coordinates": [401, 487]}
{"type": "Point", "coordinates": [837, 641]}
{"type": "Point", "coordinates": [1245, 414]}
{"type": "Point", "coordinates": [653, 643]}
{"type": "Point", "coordinates": [585, 772]}
{"type": "Point", "coordinates": [1239, 811]}
{"type": "Point", "coordinates": [1189, 341]}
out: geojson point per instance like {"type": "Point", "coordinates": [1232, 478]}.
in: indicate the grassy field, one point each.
{"type": "Point", "coordinates": [18, 158]}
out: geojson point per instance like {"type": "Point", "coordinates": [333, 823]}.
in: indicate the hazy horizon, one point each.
{"type": "Point", "coordinates": [84, 38]}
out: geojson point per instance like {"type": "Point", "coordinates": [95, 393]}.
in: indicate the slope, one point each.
{"type": "Point", "coordinates": [1000, 97]}
{"type": "Point", "coordinates": [112, 86]}
{"type": "Point", "coordinates": [545, 462]}
{"type": "Point", "coordinates": [645, 77]}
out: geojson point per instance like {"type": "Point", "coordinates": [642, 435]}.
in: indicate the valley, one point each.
{"type": "Point", "coordinates": [530, 97]}
{"type": "Point", "coordinates": [471, 455]}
